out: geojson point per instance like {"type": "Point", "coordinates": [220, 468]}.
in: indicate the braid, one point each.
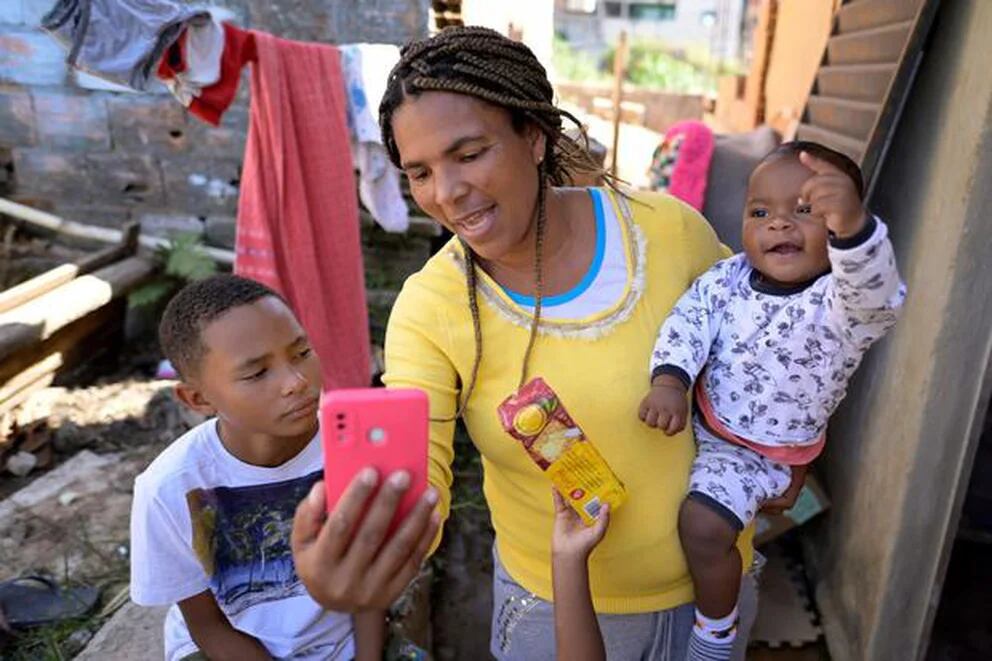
{"type": "Point", "coordinates": [483, 64]}
{"type": "Point", "coordinates": [542, 216]}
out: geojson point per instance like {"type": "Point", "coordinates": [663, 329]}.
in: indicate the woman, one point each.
{"type": "Point", "coordinates": [567, 284]}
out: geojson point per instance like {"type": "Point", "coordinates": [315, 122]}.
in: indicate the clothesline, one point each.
{"type": "Point", "coordinates": [297, 222]}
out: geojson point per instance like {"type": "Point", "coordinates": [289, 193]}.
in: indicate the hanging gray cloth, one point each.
{"type": "Point", "coordinates": [119, 40]}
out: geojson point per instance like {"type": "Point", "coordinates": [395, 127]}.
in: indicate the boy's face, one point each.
{"type": "Point", "coordinates": [259, 374]}
{"type": "Point", "coordinates": [782, 239]}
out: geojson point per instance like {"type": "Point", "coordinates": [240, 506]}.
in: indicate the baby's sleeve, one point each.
{"type": "Point", "coordinates": [683, 344]}
{"type": "Point", "coordinates": [866, 293]}
{"type": "Point", "coordinates": [164, 566]}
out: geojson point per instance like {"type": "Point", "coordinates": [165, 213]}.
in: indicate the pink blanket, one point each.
{"type": "Point", "coordinates": [297, 225]}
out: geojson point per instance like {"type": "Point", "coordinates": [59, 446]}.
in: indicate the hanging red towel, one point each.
{"type": "Point", "coordinates": [297, 227]}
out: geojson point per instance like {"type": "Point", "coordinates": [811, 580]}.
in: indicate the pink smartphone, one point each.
{"type": "Point", "coordinates": [378, 427]}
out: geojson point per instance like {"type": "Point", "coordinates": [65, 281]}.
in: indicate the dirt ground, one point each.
{"type": "Point", "coordinates": [70, 522]}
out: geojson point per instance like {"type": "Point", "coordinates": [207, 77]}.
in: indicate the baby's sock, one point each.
{"type": "Point", "coordinates": [712, 639]}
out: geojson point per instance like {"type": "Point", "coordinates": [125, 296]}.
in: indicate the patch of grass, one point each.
{"type": "Point", "coordinates": [573, 64]}
{"type": "Point", "coordinates": [54, 642]}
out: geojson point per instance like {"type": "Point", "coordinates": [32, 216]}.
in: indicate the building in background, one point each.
{"type": "Point", "coordinates": [711, 27]}
{"type": "Point", "coordinates": [529, 21]}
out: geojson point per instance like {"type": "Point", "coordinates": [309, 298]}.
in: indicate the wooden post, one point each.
{"type": "Point", "coordinates": [619, 68]}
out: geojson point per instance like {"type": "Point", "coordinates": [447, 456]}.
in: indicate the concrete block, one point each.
{"type": "Point", "coordinates": [224, 141]}
{"type": "Point", "coordinates": [29, 57]}
{"type": "Point", "coordinates": [71, 121]}
{"type": "Point", "coordinates": [97, 213]}
{"type": "Point", "coordinates": [12, 12]}
{"type": "Point", "coordinates": [129, 179]}
{"type": "Point", "coordinates": [34, 10]}
{"type": "Point", "coordinates": [44, 174]}
{"type": "Point", "coordinates": [291, 19]}
{"type": "Point", "coordinates": [168, 225]}
{"type": "Point", "coordinates": [17, 128]}
{"type": "Point", "coordinates": [220, 231]}
{"type": "Point", "coordinates": [202, 186]}
{"type": "Point", "coordinates": [149, 124]}
{"type": "Point", "coordinates": [133, 632]}
{"type": "Point", "coordinates": [378, 21]}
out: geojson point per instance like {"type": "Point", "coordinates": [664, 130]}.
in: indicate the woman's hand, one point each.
{"type": "Point", "coordinates": [788, 499]}
{"type": "Point", "coordinates": [665, 406]}
{"type": "Point", "coordinates": [346, 565]}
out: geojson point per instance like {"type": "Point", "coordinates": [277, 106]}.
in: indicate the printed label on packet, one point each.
{"type": "Point", "coordinates": [537, 418]}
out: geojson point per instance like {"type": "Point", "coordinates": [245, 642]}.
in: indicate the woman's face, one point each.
{"type": "Point", "coordinates": [469, 169]}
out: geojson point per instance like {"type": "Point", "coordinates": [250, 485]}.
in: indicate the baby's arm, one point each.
{"type": "Point", "coordinates": [682, 348]}
{"type": "Point", "coordinates": [213, 633]}
{"type": "Point", "coordinates": [370, 635]}
{"type": "Point", "coordinates": [577, 635]}
{"type": "Point", "coordinates": [865, 292]}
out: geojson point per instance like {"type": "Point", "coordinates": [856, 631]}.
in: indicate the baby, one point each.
{"type": "Point", "coordinates": [768, 341]}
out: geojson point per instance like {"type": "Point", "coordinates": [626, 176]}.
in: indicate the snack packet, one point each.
{"type": "Point", "coordinates": [536, 417]}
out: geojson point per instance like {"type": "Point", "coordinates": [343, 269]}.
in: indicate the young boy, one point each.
{"type": "Point", "coordinates": [212, 515]}
{"type": "Point", "coordinates": [770, 338]}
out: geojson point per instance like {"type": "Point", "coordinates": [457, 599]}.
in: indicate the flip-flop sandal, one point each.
{"type": "Point", "coordinates": [32, 601]}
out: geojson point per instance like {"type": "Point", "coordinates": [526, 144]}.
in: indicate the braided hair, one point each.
{"type": "Point", "coordinates": [483, 64]}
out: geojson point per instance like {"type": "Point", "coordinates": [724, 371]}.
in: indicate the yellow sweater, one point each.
{"type": "Point", "coordinates": [599, 368]}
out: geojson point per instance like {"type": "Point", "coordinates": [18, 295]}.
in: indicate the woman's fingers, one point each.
{"type": "Point", "coordinates": [309, 518]}
{"type": "Point", "coordinates": [371, 532]}
{"type": "Point", "coordinates": [402, 546]}
{"type": "Point", "coordinates": [560, 505]}
{"type": "Point", "coordinates": [339, 530]}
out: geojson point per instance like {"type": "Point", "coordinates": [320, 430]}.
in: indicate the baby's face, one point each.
{"type": "Point", "coordinates": [782, 239]}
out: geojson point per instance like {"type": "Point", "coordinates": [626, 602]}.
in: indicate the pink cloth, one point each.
{"type": "Point", "coordinates": [297, 227]}
{"type": "Point", "coordinates": [692, 166]}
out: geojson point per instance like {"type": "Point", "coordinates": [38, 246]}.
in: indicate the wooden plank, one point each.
{"type": "Point", "coordinates": [867, 14]}
{"type": "Point", "coordinates": [49, 280]}
{"type": "Point", "coordinates": [877, 46]}
{"type": "Point", "coordinates": [858, 82]}
{"type": "Point", "coordinates": [851, 118]}
{"type": "Point", "coordinates": [909, 60]}
{"type": "Point", "coordinates": [48, 365]}
{"type": "Point", "coordinates": [28, 389]}
{"type": "Point", "coordinates": [42, 317]}
{"type": "Point", "coordinates": [127, 247]}
{"type": "Point", "coordinates": [842, 143]}
{"type": "Point", "coordinates": [65, 341]}
{"type": "Point", "coordinates": [36, 286]}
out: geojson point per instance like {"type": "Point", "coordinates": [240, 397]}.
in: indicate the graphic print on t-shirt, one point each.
{"type": "Point", "coordinates": [241, 537]}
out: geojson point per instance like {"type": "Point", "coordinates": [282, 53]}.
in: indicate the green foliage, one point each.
{"type": "Point", "coordinates": [575, 65]}
{"type": "Point", "coordinates": [185, 260]}
{"type": "Point", "coordinates": [182, 261]}
{"type": "Point", "coordinates": [651, 64]}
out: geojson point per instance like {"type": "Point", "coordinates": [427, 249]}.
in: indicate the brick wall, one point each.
{"type": "Point", "coordinates": [71, 145]}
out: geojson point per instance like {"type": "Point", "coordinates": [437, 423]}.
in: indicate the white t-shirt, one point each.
{"type": "Point", "coordinates": [202, 519]}
{"type": "Point", "coordinates": [604, 282]}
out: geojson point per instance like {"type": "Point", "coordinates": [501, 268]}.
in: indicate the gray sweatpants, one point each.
{"type": "Point", "coordinates": [523, 626]}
